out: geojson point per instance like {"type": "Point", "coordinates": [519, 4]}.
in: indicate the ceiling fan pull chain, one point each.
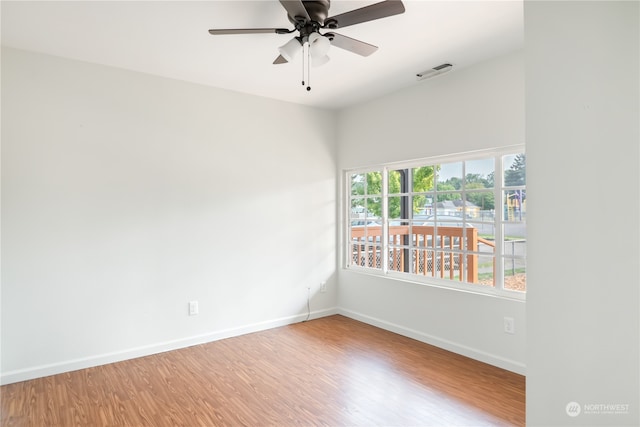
{"type": "Point", "coordinates": [308, 67]}
{"type": "Point", "coordinates": [303, 45]}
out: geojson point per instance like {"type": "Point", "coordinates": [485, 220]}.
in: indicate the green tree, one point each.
{"type": "Point", "coordinates": [422, 182]}
{"type": "Point", "coordinates": [395, 186]}
{"type": "Point", "coordinates": [372, 190]}
{"type": "Point", "coordinates": [442, 197]}
{"type": "Point", "coordinates": [517, 173]}
{"type": "Point", "coordinates": [374, 183]}
{"type": "Point", "coordinates": [357, 185]}
{"type": "Point", "coordinates": [454, 182]}
{"type": "Point", "coordinates": [484, 200]}
{"type": "Point", "coordinates": [423, 179]}
{"type": "Point", "coordinates": [476, 178]}
{"type": "Point", "coordinates": [491, 179]}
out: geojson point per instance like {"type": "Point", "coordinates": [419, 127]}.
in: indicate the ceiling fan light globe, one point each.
{"type": "Point", "coordinates": [318, 45]}
{"type": "Point", "coordinates": [290, 49]}
{"type": "Point", "coordinates": [319, 61]}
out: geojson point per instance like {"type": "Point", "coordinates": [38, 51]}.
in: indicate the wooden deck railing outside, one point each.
{"type": "Point", "coordinates": [432, 255]}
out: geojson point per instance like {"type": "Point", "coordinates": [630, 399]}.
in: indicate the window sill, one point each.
{"type": "Point", "coordinates": [434, 282]}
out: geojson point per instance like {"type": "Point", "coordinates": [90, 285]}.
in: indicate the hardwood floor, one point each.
{"type": "Point", "coordinates": [332, 371]}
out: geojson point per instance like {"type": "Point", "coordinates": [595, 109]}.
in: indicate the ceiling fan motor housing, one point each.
{"type": "Point", "coordinates": [318, 11]}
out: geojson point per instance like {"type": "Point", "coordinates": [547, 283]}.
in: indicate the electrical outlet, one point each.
{"type": "Point", "coordinates": [193, 308]}
{"type": "Point", "coordinates": [509, 325]}
{"type": "Point", "coordinates": [323, 287]}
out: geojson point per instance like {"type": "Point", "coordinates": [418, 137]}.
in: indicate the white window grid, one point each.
{"type": "Point", "coordinates": [498, 191]}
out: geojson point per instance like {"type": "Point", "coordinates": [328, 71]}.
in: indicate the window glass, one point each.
{"type": "Point", "coordinates": [374, 182]}
{"type": "Point", "coordinates": [357, 184]}
{"type": "Point", "coordinates": [394, 209]}
{"type": "Point", "coordinates": [479, 205]}
{"type": "Point", "coordinates": [365, 217]}
{"type": "Point", "coordinates": [449, 176]}
{"type": "Point", "coordinates": [479, 173]}
{"type": "Point", "coordinates": [515, 208]}
{"type": "Point", "coordinates": [395, 180]}
{"type": "Point", "coordinates": [515, 172]}
{"type": "Point", "coordinates": [486, 270]}
{"type": "Point", "coordinates": [515, 274]}
{"type": "Point", "coordinates": [423, 179]}
{"type": "Point", "coordinates": [444, 221]}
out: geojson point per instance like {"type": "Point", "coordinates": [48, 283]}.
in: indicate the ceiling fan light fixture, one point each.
{"type": "Point", "coordinates": [319, 60]}
{"type": "Point", "coordinates": [318, 46]}
{"type": "Point", "coordinates": [290, 49]}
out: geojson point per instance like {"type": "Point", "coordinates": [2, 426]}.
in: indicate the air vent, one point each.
{"type": "Point", "coordinates": [435, 71]}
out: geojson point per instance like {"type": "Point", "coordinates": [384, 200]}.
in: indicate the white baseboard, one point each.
{"type": "Point", "coordinates": [118, 356]}
{"type": "Point", "coordinates": [491, 359]}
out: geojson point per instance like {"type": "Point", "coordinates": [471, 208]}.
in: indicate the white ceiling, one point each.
{"type": "Point", "coordinates": [170, 39]}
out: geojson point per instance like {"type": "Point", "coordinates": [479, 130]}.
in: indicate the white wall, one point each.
{"type": "Point", "coordinates": [469, 109]}
{"type": "Point", "coordinates": [116, 190]}
{"type": "Point", "coordinates": [124, 196]}
{"type": "Point", "coordinates": [582, 112]}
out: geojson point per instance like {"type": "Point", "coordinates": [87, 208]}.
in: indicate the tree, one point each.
{"type": "Point", "coordinates": [423, 179]}
{"type": "Point", "coordinates": [442, 196]}
{"type": "Point", "coordinates": [454, 182]}
{"type": "Point", "coordinates": [373, 189]}
{"type": "Point", "coordinates": [476, 178]}
{"type": "Point", "coordinates": [471, 182]}
{"type": "Point", "coordinates": [491, 179]}
{"type": "Point", "coordinates": [395, 187]}
{"type": "Point", "coordinates": [516, 174]}
{"type": "Point", "coordinates": [484, 200]}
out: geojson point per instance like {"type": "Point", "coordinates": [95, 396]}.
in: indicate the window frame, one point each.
{"type": "Point", "coordinates": [499, 220]}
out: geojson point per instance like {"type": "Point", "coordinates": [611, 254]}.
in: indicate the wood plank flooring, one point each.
{"type": "Point", "coordinates": [332, 371]}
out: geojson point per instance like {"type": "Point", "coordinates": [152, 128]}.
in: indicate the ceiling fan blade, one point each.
{"type": "Point", "coordinates": [352, 45]}
{"type": "Point", "coordinates": [368, 13]}
{"type": "Point", "coordinates": [249, 31]}
{"type": "Point", "coordinates": [295, 8]}
{"type": "Point", "coordinates": [280, 60]}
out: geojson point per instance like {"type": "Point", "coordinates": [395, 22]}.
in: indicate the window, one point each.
{"type": "Point", "coordinates": [366, 213]}
{"type": "Point", "coordinates": [455, 221]}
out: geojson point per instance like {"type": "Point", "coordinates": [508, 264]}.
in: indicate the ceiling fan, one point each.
{"type": "Point", "coordinates": [311, 16]}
